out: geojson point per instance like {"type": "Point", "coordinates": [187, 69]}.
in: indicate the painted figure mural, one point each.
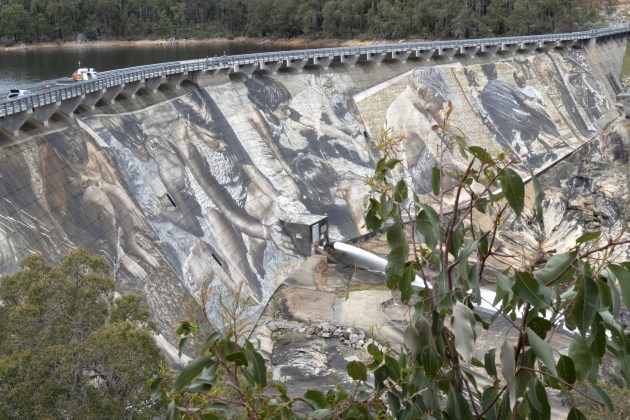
{"type": "Point", "coordinates": [412, 114]}
{"type": "Point", "coordinates": [84, 192]}
{"type": "Point", "coordinates": [192, 190]}
{"type": "Point", "coordinates": [517, 115]}
{"type": "Point", "coordinates": [321, 141]}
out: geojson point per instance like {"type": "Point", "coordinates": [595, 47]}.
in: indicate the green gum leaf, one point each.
{"type": "Point", "coordinates": [566, 369]}
{"type": "Point", "coordinates": [357, 370]}
{"type": "Point", "coordinates": [602, 396]}
{"type": "Point", "coordinates": [190, 371]}
{"type": "Point", "coordinates": [555, 266]}
{"type": "Point", "coordinates": [580, 354]}
{"type": "Point", "coordinates": [585, 304]}
{"type": "Point", "coordinates": [623, 277]}
{"type": "Point", "coordinates": [464, 330]}
{"type": "Point", "coordinates": [435, 181]}
{"type": "Point", "coordinates": [508, 369]}
{"type": "Point", "coordinates": [514, 190]}
{"type": "Point", "coordinates": [543, 350]}
{"type": "Point", "coordinates": [588, 236]}
{"type": "Point", "coordinates": [527, 288]}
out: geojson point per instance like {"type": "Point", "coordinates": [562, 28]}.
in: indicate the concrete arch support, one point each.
{"type": "Point", "coordinates": [68, 106]}
{"type": "Point", "coordinates": [425, 54]}
{"type": "Point", "coordinates": [489, 49]}
{"type": "Point", "coordinates": [154, 83]}
{"type": "Point", "coordinates": [323, 62]}
{"type": "Point", "coordinates": [132, 88]}
{"type": "Point", "coordinates": [42, 114]}
{"type": "Point", "coordinates": [246, 69]}
{"type": "Point", "coordinates": [375, 57]}
{"type": "Point", "coordinates": [112, 92]}
{"type": "Point", "coordinates": [509, 48]}
{"type": "Point", "coordinates": [12, 123]}
{"type": "Point", "coordinates": [272, 66]}
{"type": "Point", "coordinates": [448, 52]}
{"type": "Point", "coordinates": [175, 80]}
{"type": "Point", "coordinates": [402, 56]}
{"type": "Point", "coordinates": [90, 99]}
{"type": "Point", "coordinates": [297, 63]}
{"type": "Point", "coordinates": [528, 46]}
{"type": "Point", "coordinates": [350, 59]}
{"type": "Point", "coordinates": [469, 51]}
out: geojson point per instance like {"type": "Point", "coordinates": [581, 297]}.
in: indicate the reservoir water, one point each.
{"type": "Point", "coordinates": [21, 68]}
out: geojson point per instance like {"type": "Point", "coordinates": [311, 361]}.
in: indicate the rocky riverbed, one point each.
{"type": "Point", "coordinates": [328, 312]}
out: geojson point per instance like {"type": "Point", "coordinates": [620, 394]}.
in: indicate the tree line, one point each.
{"type": "Point", "coordinates": [32, 21]}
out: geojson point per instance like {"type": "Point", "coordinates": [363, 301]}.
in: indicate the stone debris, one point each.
{"type": "Point", "coordinates": [263, 336]}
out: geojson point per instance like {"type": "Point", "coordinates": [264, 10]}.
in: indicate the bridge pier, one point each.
{"type": "Point", "coordinates": [401, 55]}
{"type": "Point", "coordinates": [154, 83]}
{"type": "Point", "coordinates": [591, 43]}
{"type": "Point", "coordinates": [175, 80]}
{"type": "Point", "coordinates": [42, 114]}
{"type": "Point", "coordinates": [11, 124]}
{"type": "Point", "coordinates": [131, 88]}
{"type": "Point", "coordinates": [324, 62]}
{"type": "Point", "coordinates": [350, 59]}
{"type": "Point", "coordinates": [272, 66]}
{"type": "Point", "coordinates": [90, 99]}
{"type": "Point", "coordinates": [111, 93]}
{"type": "Point", "coordinates": [297, 63]}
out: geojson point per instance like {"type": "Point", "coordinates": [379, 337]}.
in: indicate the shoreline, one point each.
{"type": "Point", "coordinates": [294, 43]}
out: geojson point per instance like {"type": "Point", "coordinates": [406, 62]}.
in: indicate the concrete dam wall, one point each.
{"type": "Point", "coordinates": [188, 188]}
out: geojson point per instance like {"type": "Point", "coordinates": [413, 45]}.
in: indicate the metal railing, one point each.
{"type": "Point", "coordinates": [118, 77]}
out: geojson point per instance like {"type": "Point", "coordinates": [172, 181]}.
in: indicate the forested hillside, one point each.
{"type": "Point", "coordinates": [50, 20]}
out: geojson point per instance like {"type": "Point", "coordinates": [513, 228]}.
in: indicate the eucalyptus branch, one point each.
{"type": "Point", "coordinates": [568, 385]}
{"type": "Point", "coordinates": [520, 345]}
{"type": "Point", "coordinates": [472, 397]}
{"type": "Point", "coordinates": [480, 415]}
{"type": "Point", "coordinates": [492, 238]}
{"type": "Point", "coordinates": [454, 358]}
{"type": "Point", "coordinates": [610, 243]}
{"type": "Point", "coordinates": [453, 223]}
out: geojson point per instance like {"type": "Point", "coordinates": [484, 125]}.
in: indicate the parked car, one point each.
{"type": "Point", "coordinates": [17, 93]}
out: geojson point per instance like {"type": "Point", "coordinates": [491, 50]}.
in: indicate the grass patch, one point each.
{"type": "Point", "coordinates": [620, 398]}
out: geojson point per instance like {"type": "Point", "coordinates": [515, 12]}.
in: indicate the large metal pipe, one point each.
{"type": "Point", "coordinates": [370, 261]}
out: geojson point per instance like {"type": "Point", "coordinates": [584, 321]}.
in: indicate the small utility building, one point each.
{"type": "Point", "coordinates": [307, 231]}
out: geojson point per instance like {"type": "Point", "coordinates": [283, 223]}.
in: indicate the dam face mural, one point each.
{"type": "Point", "coordinates": [192, 191]}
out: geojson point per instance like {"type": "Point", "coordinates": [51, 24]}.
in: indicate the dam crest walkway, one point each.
{"type": "Point", "coordinates": [44, 101]}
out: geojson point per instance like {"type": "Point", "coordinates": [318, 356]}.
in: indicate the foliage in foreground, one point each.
{"type": "Point", "coordinates": [436, 374]}
{"type": "Point", "coordinates": [68, 349]}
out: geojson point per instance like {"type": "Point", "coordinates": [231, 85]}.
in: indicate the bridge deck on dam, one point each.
{"type": "Point", "coordinates": [181, 188]}
{"type": "Point", "coordinates": [44, 102]}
